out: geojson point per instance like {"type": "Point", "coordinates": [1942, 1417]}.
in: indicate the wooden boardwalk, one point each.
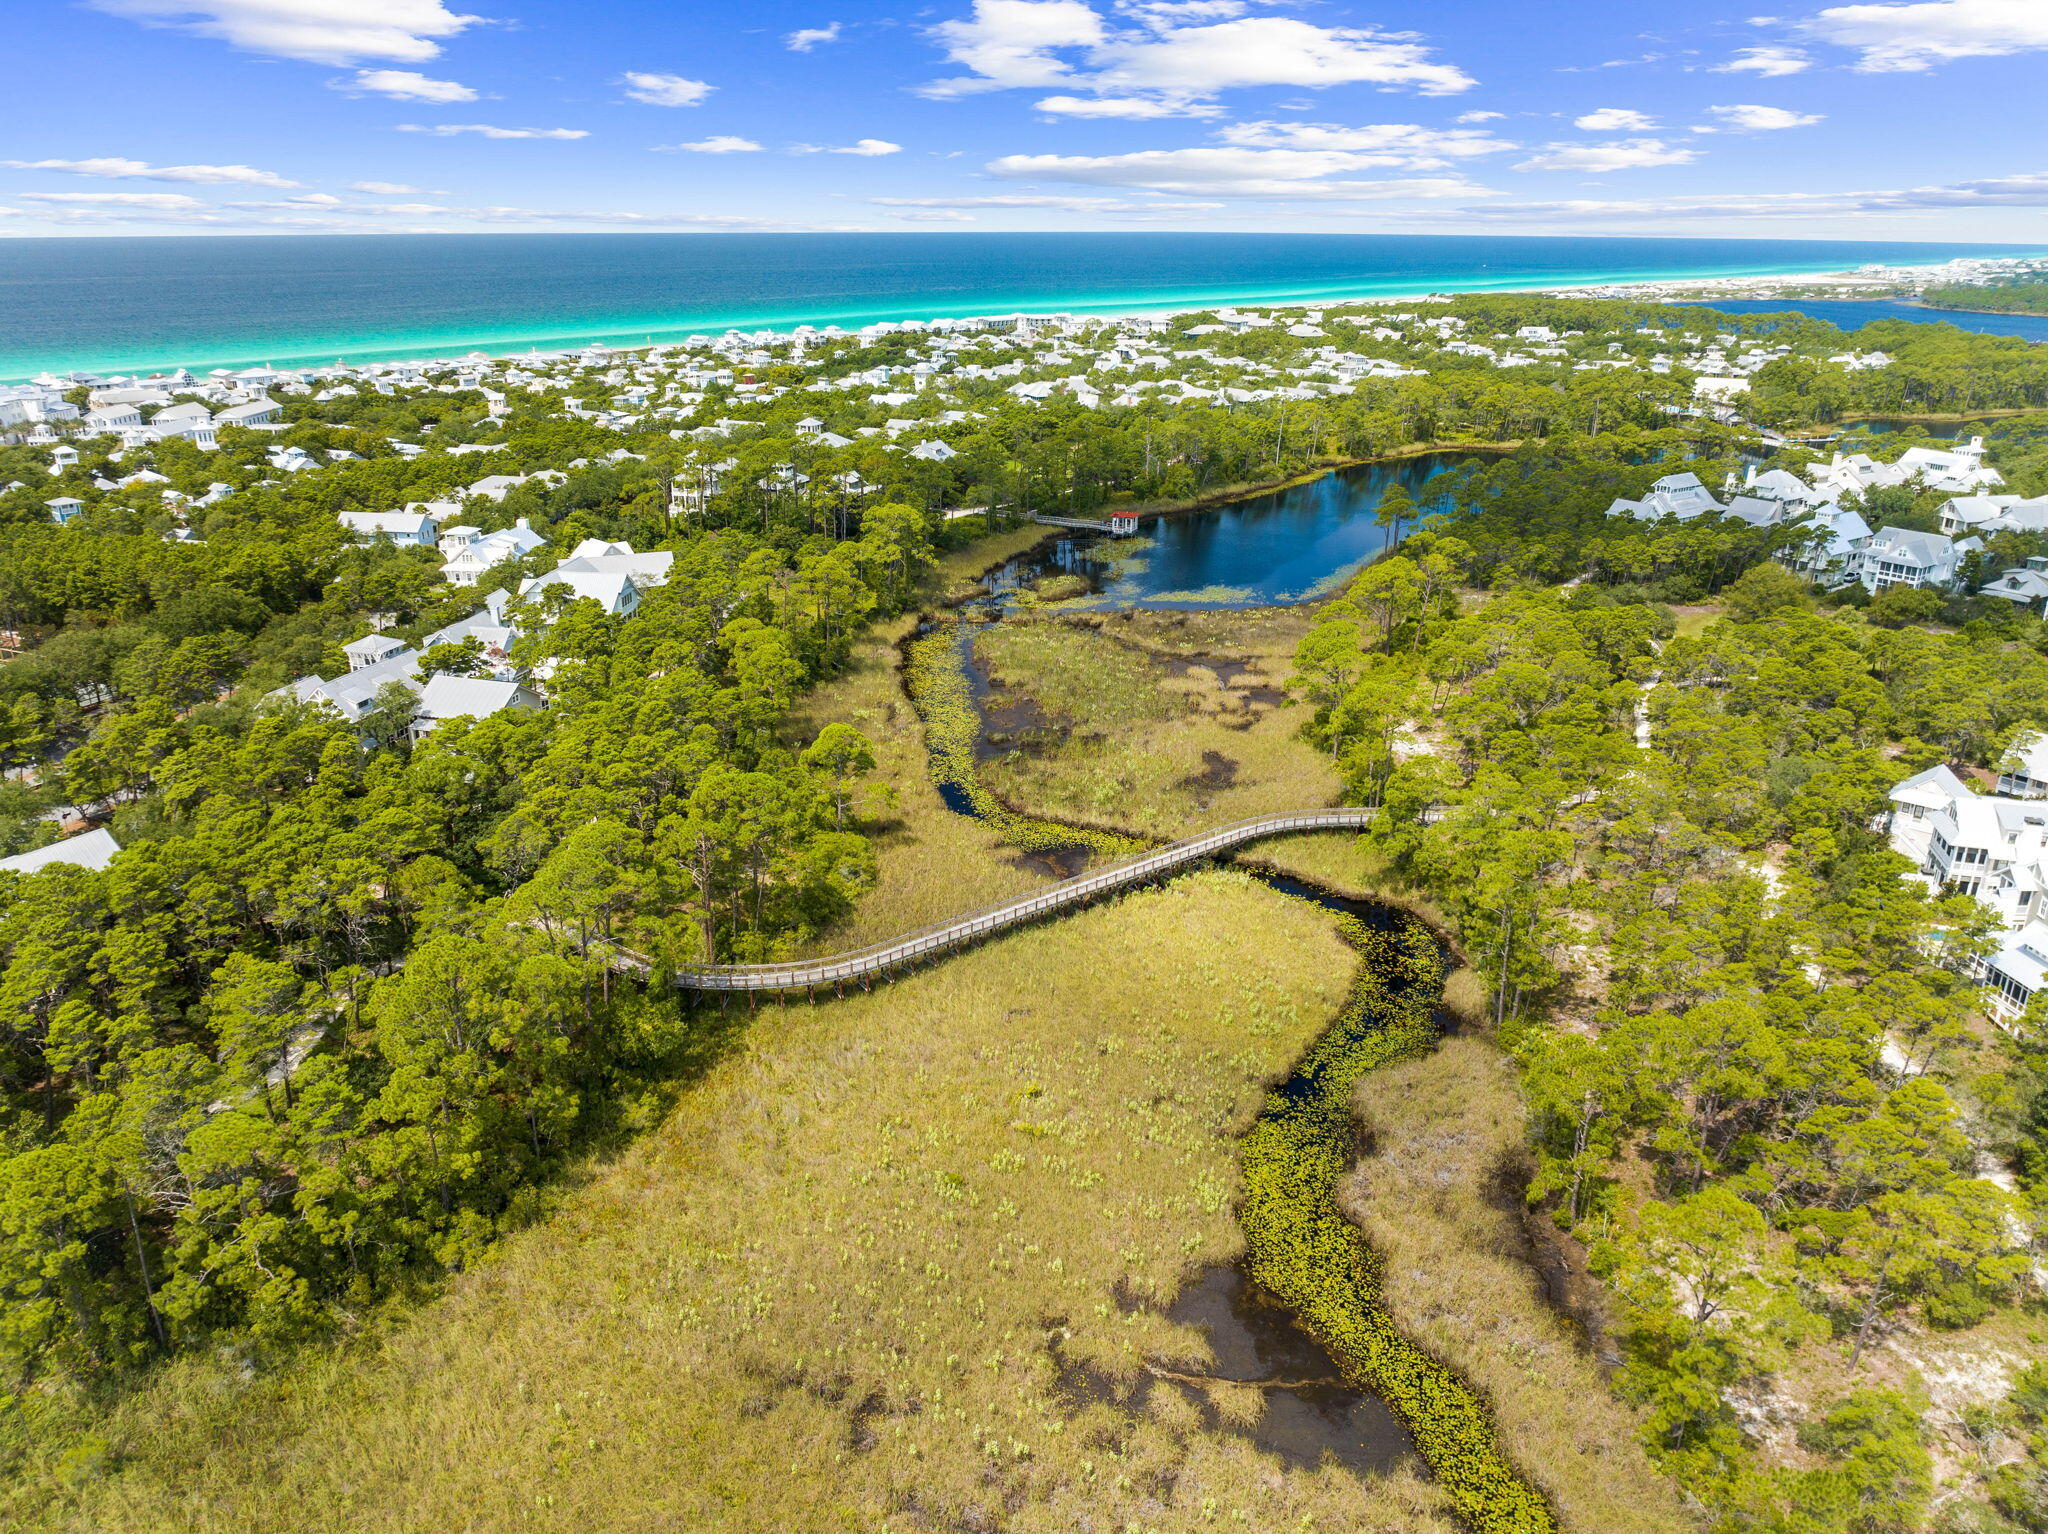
{"type": "Point", "coordinates": [1079, 524]}
{"type": "Point", "coordinates": [862, 965]}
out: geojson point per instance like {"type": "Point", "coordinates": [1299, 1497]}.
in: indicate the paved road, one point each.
{"type": "Point", "coordinates": [861, 964]}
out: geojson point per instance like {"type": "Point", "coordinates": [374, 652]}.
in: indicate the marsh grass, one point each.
{"type": "Point", "coordinates": [931, 862]}
{"type": "Point", "coordinates": [1438, 1201]}
{"type": "Point", "coordinates": [833, 1291]}
{"type": "Point", "coordinates": [1303, 1250]}
{"type": "Point", "coordinates": [1350, 865]}
{"type": "Point", "coordinates": [1162, 743]}
{"type": "Point", "coordinates": [1078, 675]}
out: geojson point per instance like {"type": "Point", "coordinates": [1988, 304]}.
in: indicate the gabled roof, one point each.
{"type": "Point", "coordinates": [1934, 789]}
{"type": "Point", "coordinates": [89, 849]}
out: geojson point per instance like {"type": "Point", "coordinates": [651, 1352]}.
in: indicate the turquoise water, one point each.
{"type": "Point", "coordinates": [126, 305]}
{"type": "Point", "coordinates": [1291, 545]}
{"type": "Point", "coordinates": [1855, 313]}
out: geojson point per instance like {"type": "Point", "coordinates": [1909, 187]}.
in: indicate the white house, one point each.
{"type": "Point", "coordinates": [2026, 772]}
{"type": "Point", "coordinates": [112, 418]}
{"type": "Point", "coordinates": [465, 697]}
{"type": "Point", "coordinates": [261, 411]}
{"type": "Point", "coordinates": [933, 452]}
{"type": "Point", "coordinates": [1895, 556]}
{"type": "Point", "coordinates": [1957, 471]}
{"type": "Point", "coordinates": [478, 554]}
{"type": "Point", "coordinates": [64, 507]}
{"type": "Point", "coordinates": [1675, 495]}
{"type": "Point", "coordinates": [191, 420]}
{"type": "Point", "coordinates": [89, 849]}
{"type": "Point", "coordinates": [372, 650]}
{"type": "Point", "coordinates": [352, 693]}
{"type": "Point", "coordinates": [2026, 588]}
{"type": "Point", "coordinates": [1770, 498]}
{"type": "Point", "coordinates": [412, 528]}
{"type": "Point", "coordinates": [610, 574]}
{"type": "Point", "coordinates": [1838, 544]}
{"type": "Point", "coordinates": [489, 628]}
{"type": "Point", "coordinates": [1990, 847]}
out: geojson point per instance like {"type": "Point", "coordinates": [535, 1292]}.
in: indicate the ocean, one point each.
{"type": "Point", "coordinates": [143, 304]}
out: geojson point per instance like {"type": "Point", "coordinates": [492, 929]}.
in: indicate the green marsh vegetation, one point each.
{"type": "Point", "coordinates": [837, 1289]}
{"type": "Point", "coordinates": [1303, 1250]}
{"type": "Point", "coordinates": [1165, 723]}
{"type": "Point", "coordinates": [1437, 1194]}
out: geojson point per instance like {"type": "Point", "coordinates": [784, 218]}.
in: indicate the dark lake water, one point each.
{"type": "Point", "coordinates": [1855, 313]}
{"type": "Point", "coordinates": [1289, 546]}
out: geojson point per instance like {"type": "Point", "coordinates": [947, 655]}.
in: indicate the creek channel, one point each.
{"type": "Point", "coordinates": [1316, 1409]}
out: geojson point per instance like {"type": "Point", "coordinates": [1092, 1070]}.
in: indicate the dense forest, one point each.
{"type": "Point", "coordinates": [1999, 298]}
{"type": "Point", "coordinates": [320, 1028]}
{"type": "Point", "coordinates": [1753, 1049]}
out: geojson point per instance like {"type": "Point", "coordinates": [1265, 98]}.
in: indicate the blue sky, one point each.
{"type": "Point", "coordinates": [1923, 120]}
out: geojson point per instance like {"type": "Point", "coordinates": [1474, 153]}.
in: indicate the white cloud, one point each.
{"type": "Point", "coordinates": [311, 200]}
{"type": "Point", "coordinates": [1479, 117]}
{"type": "Point", "coordinates": [485, 130]}
{"type": "Point", "coordinates": [1044, 200]}
{"type": "Point", "coordinates": [718, 143]}
{"type": "Point", "coordinates": [404, 85]}
{"type": "Point", "coordinates": [1012, 42]}
{"type": "Point", "coordinates": [156, 202]}
{"type": "Point", "coordinates": [498, 215]}
{"type": "Point", "coordinates": [114, 169]}
{"type": "Point", "coordinates": [320, 31]}
{"type": "Point", "coordinates": [2029, 191]}
{"type": "Point", "coordinates": [1753, 119]}
{"type": "Point", "coordinates": [1615, 120]}
{"type": "Point", "coordinates": [384, 188]}
{"type": "Point", "coordinates": [1175, 53]}
{"type": "Point", "coordinates": [1273, 50]}
{"type": "Point", "coordinates": [315, 216]}
{"type": "Point", "coordinates": [867, 147]}
{"type": "Point", "coordinates": [1905, 38]}
{"type": "Point", "coordinates": [1376, 144]}
{"type": "Point", "coordinates": [804, 39]}
{"type": "Point", "coordinates": [1769, 62]}
{"type": "Point", "coordinates": [664, 90]}
{"type": "Point", "coordinates": [1138, 108]}
{"type": "Point", "coordinates": [1230, 172]}
{"type": "Point", "coordinates": [937, 216]}
{"type": "Point", "coordinates": [1185, 10]}
{"type": "Point", "coordinates": [1617, 154]}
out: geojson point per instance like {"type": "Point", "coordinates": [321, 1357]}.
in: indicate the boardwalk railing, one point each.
{"type": "Point", "coordinates": [943, 937]}
{"type": "Point", "coordinates": [1080, 524]}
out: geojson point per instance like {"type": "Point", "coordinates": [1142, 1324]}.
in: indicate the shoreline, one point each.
{"type": "Point", "coordinates": [308, 355]}
{"type": "Point", "coordinates": [1231, 495]}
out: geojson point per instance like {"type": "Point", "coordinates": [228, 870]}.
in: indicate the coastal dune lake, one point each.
{"type": "Point", "coordinates": [137, 304]}
{"type": "Point", "coordinates": [1855, 313]}
{"type": "Point", "coordinates": [1290, 545]}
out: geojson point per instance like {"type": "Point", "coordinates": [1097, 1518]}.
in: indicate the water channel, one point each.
{"type": "Point", "coordinates": [1290, 545]}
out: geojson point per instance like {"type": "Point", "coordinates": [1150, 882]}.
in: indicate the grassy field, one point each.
{"type": "Point", "coordinates": [830, 1293]}
{"type": "Point", "coordinates": [932, 863]}
{"type": "Point", "coordinates": [1175, 721]}
{"type": "Point", "coordinates": [1437, 1199]}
